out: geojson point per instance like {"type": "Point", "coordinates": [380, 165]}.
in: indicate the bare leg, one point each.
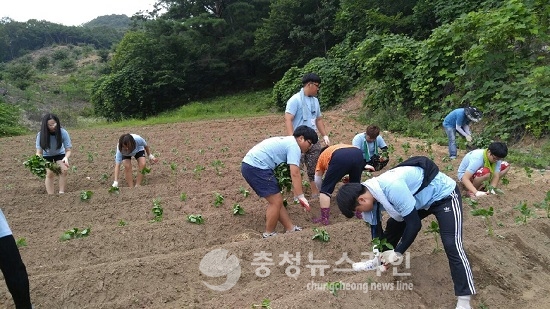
{"type": "Point", "coordinates": [49, 181]}
{"type": "Point", "coordinates": [478, 181]}
{"type": "Point", "coordinates": [276, 212]}
{"type": "Point", "coordinates": [141, 165]}
{"type": "Point", "coordinates": [62, 181]}
{"type": "Point", "coordinates": [128, 172]}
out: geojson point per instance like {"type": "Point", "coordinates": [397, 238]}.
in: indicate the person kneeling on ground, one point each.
{"type": "Point", "coordinates": [410, 192]}
{"type": "Point", "coordinates": [258, 169]}
{"type": "Point", "coordinates": [481, 166]}
{"type": "Point", "coordinates": [369, 142]}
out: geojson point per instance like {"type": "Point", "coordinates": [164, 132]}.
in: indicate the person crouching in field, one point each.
{"type": "Point", "coordinates": [258, 168]}
{"type": "Point", "coordinates": [481, 166]}
{"type": "Point", "coordinates": [54, 144]}
{"type": "Point", "coordinates": [410, 192]}
{"type": "Point", "coordinates": [335, 162]}
{"type": "Point", "coordinates": [132, 145]}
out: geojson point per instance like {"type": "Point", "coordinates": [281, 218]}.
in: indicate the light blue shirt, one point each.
{"type": "Point", "coordinates": [473, 161]}
{"type": "Point", "coordinates": [4, 227]}
{"type": "Point", "coordinates": [304, 109]}
{"type": "Point", "coordinates": [359, 142]}
{"type": "Point", "coordinates": [140, 145]}
{"type": "Point", "coordinates": [53, 151]}
{"type": "Point", "coordinates": [456, 118]}
{"type": "Point", "coordinates": [399, 185]}
{"type": "Point", "coordinates": [273, 151]}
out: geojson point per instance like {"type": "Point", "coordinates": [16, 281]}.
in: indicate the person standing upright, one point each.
{"type": "Point", "coordinates": [303, 108]}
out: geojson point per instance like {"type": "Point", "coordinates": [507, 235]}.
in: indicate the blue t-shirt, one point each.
{"type": "Point", "coordinates": [4, 227]}
{"type": "Point", "coordinates": [456, 118]}
{"type": "Point", "coordinates": [399, 185]}
{"type": "Point", "coordinates": [53, 151]}
{"type": "Point", "coordinates": [304, 109]}
{"type": "Point", "coordinates": [140, 145]}
{"type": "Point", "coordinates": [359, 142]}
{"type": "Point", "coordinates": [273, 151]}
{"type": "Point", "coordinates": [473, 161]}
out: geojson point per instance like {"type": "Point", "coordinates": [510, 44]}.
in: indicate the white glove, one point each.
{"type": "Point", "coordinates": [115, 184]}
{"type": "Point", "coordinates": [303, 201]}
{"type": "Point", "coordinates": [480, 193]}
{"type": "Point", "coordinates": [492, 191]}
{"type": "Point", "coordinates": [65, 161]}
{"type": "Point", "coordinates": [370, 168]}
{"type": "Point", "coordinates": [469, 138]}
{"type": "Point", "coordinates": [327, 141]}
{"type": "Point", "coordinates": [318, 181]}
{"type": "Point", "coordinates": [390, 257]}
{"type": "Point", "coordinates": [152, 158]}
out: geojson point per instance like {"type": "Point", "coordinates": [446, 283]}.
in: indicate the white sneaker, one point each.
{"type": "Point", "coordinates": [266, 235]}
{"type": "Point", "coordinates": [294, 229]}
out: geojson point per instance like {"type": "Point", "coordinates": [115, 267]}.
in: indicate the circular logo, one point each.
{"type": "Point", "coordinates": [217, 263]}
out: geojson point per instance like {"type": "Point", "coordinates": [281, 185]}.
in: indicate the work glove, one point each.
{"type": "Point", "coordinates": [469, 138]}
{"type": "Point", "coordinates": [115, 184]}
{"type": "Point", "coordinates": [327, 141]}
{"type": "Point", "coordinates": [390, 257]}
{"type": "Point", "coordinates": [481, 193]}
{"type": "Point", "coordinates": [370, 168]}
{"type": "Point", "coordinates": [318, 180]}
{"type": "Point", "coordinates": [492, 191]}
{"type": "Point", "coordinates": [303, 201]}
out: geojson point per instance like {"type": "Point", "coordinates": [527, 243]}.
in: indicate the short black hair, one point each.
{"type": "Point", "coordinates": [498, 149]}
{"type": "Point", "coordinates": [307, 132]}
{"type": "Point", "coordinates": [347, 198]}
{"type": "Point", "coordinates": [311, 78]}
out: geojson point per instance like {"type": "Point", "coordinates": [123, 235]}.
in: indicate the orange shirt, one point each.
{"type": "Point", "coordinates": [326, 155]}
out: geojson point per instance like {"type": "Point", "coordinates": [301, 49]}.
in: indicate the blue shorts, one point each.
{"type": "Point", "coordinates": [263, 182]}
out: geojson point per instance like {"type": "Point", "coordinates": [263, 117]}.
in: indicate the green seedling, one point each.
{"type": "Point", "coordinates": [486, 214]}
{"type": "Point", "coordinates": [38, 165]}
{"type": "Point", "coordinates": [90, 157]}
{"type": "Point", "coordinates": [244, 192]}
{"type": "Point", "coordinates": [505, 181]}
{"type": "Point", "coordinates": [183, 197]}
{"type": "Point", "coordinates": [225, 149]}
{"type": "Point", "coordinates": [406, 147]}
{"type": "Point", "coordinates": [238, 209]}
{"type": "Point", "coordinates": [334, 287]}
{"type": "Point", "coordinates": [122, 223]}
{"type": "Point", "coordinates": [433, 228]}
{"type": "Point", "coordinates": [198, 171]}
{"type": "Point", "coordinates": [381, 244]}
{"type": "Point", "coordinates": [449, 167]}
{"type": "Point", "coordinates": [525, 213]}
{"type": "Point", "coordinates": [528, 171]}
{"type": "Point", "coordinates": [103, 178]}
{"type": "Point", "coordinates": [282, 173]}
{"type": "Point", "coordinates": [471, 202]}
{"type": "Point", "coordinates": [157, 210]}
{"type": "Point", "coordinates": [266, 303]}
{"type": "Point", "coordinates": [75, 233]}
{"type": "Point", "coordinates": [545, 204]}
{"type": "Point", "coordinates": [145, 170]}
{"type": "Point", "coordinates": [114, 190]}
{"type": "Point", "coordinates": [305, 184]}
{"type": "Point", "coordinates": [174, 168]}
{"type": "Point", "coordinates": [490, 188]}
{"type": "Point", "coordinates": [218, 199]}
{"type": "Point", "coordinates": [197, 219]}
{"type": "Point", "coordinates": [21, 242]}
{"type": "Point", "coordinates": [201, 151]}
{"type": "Point", "coordinates": [86, 195]}
{"type": "Point", "coordinates": [321, 235]}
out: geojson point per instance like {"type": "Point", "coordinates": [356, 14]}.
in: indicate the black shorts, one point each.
{"type": "Point", "coordinates": [137, 155]}
{"type": "Point", "coordinates": [54, 158]}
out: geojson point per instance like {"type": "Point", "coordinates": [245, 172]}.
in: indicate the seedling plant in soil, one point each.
{"type": "Point", "coordinates": [21, 242]}
{"type": "Point", "coordinates": [157, 210]}
{"type": "Point", "coordinates": [266, 303]}
{"type": "Point", "coordinates": [75, 233]}
{"type": "Point", "coordinates": [86, 195]}
{"type": "Point", "coordinates": [197, 219]}
{"type": "Point", "coordinates": [321, 235]}
{"type": "Point", "coordinates": [238, 209]}
{"type": "Point", "coordinates": [486, 214]}
{"type": "Point", "coordinates": [525, 213]}
{"type": "Point", "coordinates": [381, 244]}
{"type": "Point", "coordinates": [433, 228]}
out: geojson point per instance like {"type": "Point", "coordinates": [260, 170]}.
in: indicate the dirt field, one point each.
{"type": "Point", "coordinates": [158, 265]}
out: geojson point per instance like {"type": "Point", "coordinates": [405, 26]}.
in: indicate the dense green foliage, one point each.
{"type": "Point", "coordinates": [420, 58]}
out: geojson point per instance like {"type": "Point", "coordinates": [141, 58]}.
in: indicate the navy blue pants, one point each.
{"type": "Point", "coordinates": [344, 161]}
{"type": "Point", "coordinates": [14, 272]}
{"type": "Point", "coordinates": [448, 213]}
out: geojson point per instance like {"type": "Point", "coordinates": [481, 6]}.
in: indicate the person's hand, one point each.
{"type": "Point", "coordinates": [370, 168]}
{"type": "Point", "coordinates": [480, 193]}
{"type": "Point", "coordinates": [492, 191]}
{"type": "Point", "coordinates": [390, 257]}
{"type": "Point", "coordinates": [303, 201]}
{"type": "Point", "coordinates": [318, 180]}
{"type": "Point", "coordinates": [345, 179]}
{"type": "Point", "coordinates": [65, 161]}
{"type": "Point", "coordinates": [153, 159]}
{"type": "Point", "coordinates": [115, 184]}
{"type": "Point", "coordinates": [469, 138]}
{"type": "Point", "coordinates": [327, 141]}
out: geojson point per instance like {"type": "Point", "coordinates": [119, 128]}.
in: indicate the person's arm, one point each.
{"type": "Point", "coordinates": [39, 151]}
{"type": "Point", "coordinates": [412, 227]}
{"type": "Point", "coordinates": [320, 123]}
{"type": "Point", "coordinates": [468, 183]}
{"type": "Point", "coordinates": [288, 123]}
{"type": "Point", "coordinates": [496, 178]}
{"type": "Point", "coordinates": [461, 131]}
{"type": "Point", "coordinates": [117, 169]}
{"type": "Point", "coordinates": [149, 155]}
{"type": "Point", "coordinates": [67, 155]}
{"type": "Point", "coordinates": [296, 177]}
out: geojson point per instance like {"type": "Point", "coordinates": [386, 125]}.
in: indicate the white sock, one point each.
{"type": "Point", "coordinates": [61, 192]}
{"type": "Point", "coordinates": [463, 302]}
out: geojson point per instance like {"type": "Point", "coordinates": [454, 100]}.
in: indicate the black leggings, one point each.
{"type": "Point", "coordinates": [14, 272]}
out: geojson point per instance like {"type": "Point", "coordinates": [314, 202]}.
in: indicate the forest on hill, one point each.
{"type": "Point", "coordinates": [416, 57]}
